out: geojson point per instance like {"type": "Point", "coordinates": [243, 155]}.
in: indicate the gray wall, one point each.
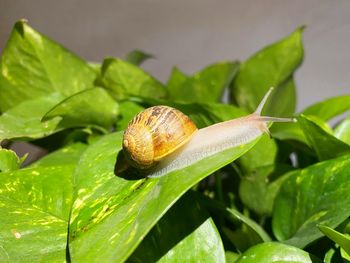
{"type": "Point", "coordinates": [194, 33]}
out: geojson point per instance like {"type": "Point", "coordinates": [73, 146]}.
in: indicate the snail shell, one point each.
{"type": "Point", "coordinates": [155, 133]}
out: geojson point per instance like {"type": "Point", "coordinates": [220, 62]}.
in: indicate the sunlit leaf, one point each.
{"type": "Point", "coordinates": [24, 120]}
{"type": "Point", "coordinates": [123, 210]}
{"type": "Point", "coordinates": [324, 144]}
{"type": "Point", "coordinates": [341, 239]}
{"type": "Point", "coordinates": [329, 108]}
{"type": "Point", "coordinates": [128, 110]}
{"type": "Point", "coordinates": [203, 114]}
{"type": "Point", "coordinates": [34, 207]}
{"type": "Point", "coordinates": [342, 131]}
{"type": "Point", "coordinates": [68, 155]}
{"type": "Point", "coordinates": [123, 79]}
{"type": "Point", "coordinates": [91, 107]}
{"type": "Point", "coordinates": [205, 86]}
{"type": "Point", "coordinates": [273, 252]}
{"type": "Point", "coordinates": [272, 66]}
{"type": "Point", "coordinates": [9, 160]}
{"type": "Point", "coordinates": [312, 196]}
{"type": "Point", "coordinates": [33, 66]}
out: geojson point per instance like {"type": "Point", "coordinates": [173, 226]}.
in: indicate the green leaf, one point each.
{"type": "Point", "coordinates": [24, 120]}
{"type": "Point", "coordinates": [324, 144]}
{"type": "Point", "coordinates": [342, 240]}
{"type": "Point", "coordinates": [265, 152]}
{"type": "Point", "coordinates": [342, 131]}
{"type": "Point", "coordinates": [251, 223]}
{"type": "Point", "coordinates": [276, 252]}
{"type": "Point", "coordinates": [34, 66]}
{"type": "Point", "coordinates": [288, 131]}
{"type": "Point", "coordinates": [205, 86]}
{"type": "Point", "coordinates": [176, 79]}
{"type": "Point", "coordinates": [329, 108]}
{"type": "Point", "coordinates": [128, 110]}
{"type": "Point", "coordinates": [203, 114]}
{"type": "Point", "coordinates": [123, 79]}
{"type": "Point", "coordinates": [231, 257]}
{"type": "Point", "coordinates": [324, 110]}
{"type": "Point", "coordinates": [9, 160]}
{"type": "Point", "coordinates": [235, 216]}
{"type": "Point", "coordinates": [273, 66]}
{"type": "Point", "coordinates": [92, 107]}
{"type": "Point", "coordinates": [315, 195]}
{"type": "Point", "coordinates": [137, 57]}
{"type": "Point", "coordinates": [283, 100]}
{"type": "Point", "coordinates": [332, 256]}
{"type": "Point", "coordinates": [68, 155]}
{"type": "Point", "coordinates": [34, 207]}
{"type": "Point", "coordinates": [186, 233]}
{"type": "Point", "coordinates": [123, 210]}
{"type": "Point", "coordinates": [258, 189]}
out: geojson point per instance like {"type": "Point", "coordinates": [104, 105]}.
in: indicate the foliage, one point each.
{"type": "Point", "coordinates": [279, 199]}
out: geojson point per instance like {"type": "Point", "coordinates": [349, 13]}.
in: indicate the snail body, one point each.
{"type": "Point", "coordinates": [161, 139]}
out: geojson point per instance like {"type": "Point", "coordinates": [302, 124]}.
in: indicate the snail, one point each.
{"type": "Point", "coordinates": [162, 139]}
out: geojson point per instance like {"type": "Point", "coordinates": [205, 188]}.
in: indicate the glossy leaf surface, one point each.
{"type": "Point", "coordinates": [205, 86]}
{"type": "Point", "coordinates": [312, 196]}
{"type": "Point", "coordinates": [123, 210]}
{"type": "Point", "coordinates": [324, 144]}
{"type": "Point", "coordinates": [276, 252]}
{"type": "Point", "coordinates": [273, 66]}
{"type": "Point", "coordinates": [123, 79]}
{"type": "Point", "coordinates": [24, 120]}
{"type": "Point", "coordinates": [186, 233]}
{"type": "Point", "coordinates": [128, 110]}
{"type": "Point", "coordinates": [68, 155]}
{"type": "Point", "coordinates": [341, 239]}
{"type": "Point", "coordinates": [342, 131]}
{"type": "Point", "coordinates": [34, 207]}
{"type": "Point", "coordinates": [91, 107]}
{"type": "Point", "coordinates": [9, 160]}
{"type": "Point", "coordinates": [329, 108]}
{"type": "Point", "coordinates": [33, 66]}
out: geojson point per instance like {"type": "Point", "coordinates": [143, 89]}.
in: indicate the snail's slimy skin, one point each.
{"type": "Point", "coordinates": [217, 138]}
{"type": "Point", "coordinates": [211, 140]}
{"type": "Point", "coordinates": [189, 149]}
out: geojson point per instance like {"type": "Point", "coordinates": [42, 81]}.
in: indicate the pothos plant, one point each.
{"type": "Point", "coordinates": [284, 198]}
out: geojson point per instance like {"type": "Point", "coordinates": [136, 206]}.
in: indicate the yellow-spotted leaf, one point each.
{"type": "Point", "coordinates": [33, 66]}
{"type": "Point", "coordinates": [24, 120]}
{"type": "Point", "coordinates": [111, 215]}
{"type": "Point", "coordinates": [34, 207]}
{"type": "Point", "coordinates": [315, 195]}
{"type": "Point", "coordinates": [9, 160]}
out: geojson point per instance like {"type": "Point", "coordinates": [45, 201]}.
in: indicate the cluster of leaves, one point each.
{"type": "Point", "coordinates": [282, 199]}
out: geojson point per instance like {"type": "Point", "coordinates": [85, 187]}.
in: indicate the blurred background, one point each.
{"type": "Point", "coordinates": [194, 33]}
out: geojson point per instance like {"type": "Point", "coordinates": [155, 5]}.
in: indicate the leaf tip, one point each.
{"type": "Point", "coordinates": [20, 24]}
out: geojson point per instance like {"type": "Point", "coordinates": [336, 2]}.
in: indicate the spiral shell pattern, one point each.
{"type": "Point", "coordinates": [154, 133]}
